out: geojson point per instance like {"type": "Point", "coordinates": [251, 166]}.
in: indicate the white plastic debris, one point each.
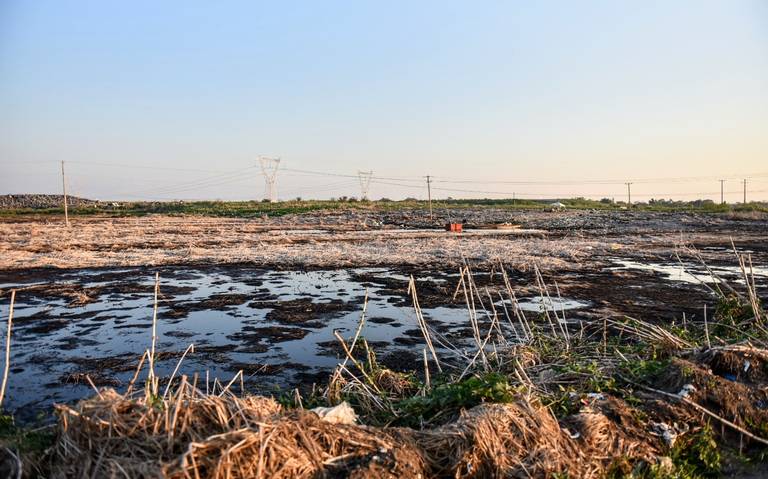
{"type": "Point", "coordinates": [686, 390]}
{"type": "Point", "coordinates": [667, 433]}
{"type": "Point", "coordinates": [747, 364]}
{"type": "Point", "coordinates": [341, 414]}
{"type": "Point", "coordinates": [596, 396]}
{"type": "Point", "coordinates": [573, 435]}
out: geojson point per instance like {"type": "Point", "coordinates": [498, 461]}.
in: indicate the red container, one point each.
{"type": "Point", "coordinates": [454, 227]}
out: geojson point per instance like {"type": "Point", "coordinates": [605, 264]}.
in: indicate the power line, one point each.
{"type": "Point", "coordinates": [143, 167]}
{"type": "Point", "coordinates": [208, 182]}
{"type": "Point", "coordinates": [437, 179]}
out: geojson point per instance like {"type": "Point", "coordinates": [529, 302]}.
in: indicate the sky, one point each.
{"type": "Point", "coordinates": [549, 99]}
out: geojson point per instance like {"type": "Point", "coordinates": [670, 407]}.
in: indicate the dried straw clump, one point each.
{"type": "Point", "coordinates": [503, 440]}
{"type": "Point", "coordinates": [194, 435]}
{"type": "Point", "coordinates": [524, 439]}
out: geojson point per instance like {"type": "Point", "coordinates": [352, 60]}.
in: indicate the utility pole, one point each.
{"type": "Point", "coordinates": [64, 188]}
{"type": "Point", "coordinates": [429, 195]}
{"type": "Point", "coordinates": [722, 200]}
{"type": "Point", "coordinates": [365, 183]}
{"type": "Point", "coordinates": [269, 169]}
{"type": "Point", "coordinates": [745, 191]}
{"type": "Point", "coordinates": [629, 195]}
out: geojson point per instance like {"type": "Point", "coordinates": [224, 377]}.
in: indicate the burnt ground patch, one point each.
{"type": "Point", "coordinates": [644, 295]}
{"type": "Point", "coordinates": [304, 311]}
{"type": "Point", "coordinates": [334, 349]}
{"type": "Point", "coordinates": [216, 302]}
{"type": "Point", "coordinates": [436, 290]}
{"type": "Point", "coordinates": [251, 335]}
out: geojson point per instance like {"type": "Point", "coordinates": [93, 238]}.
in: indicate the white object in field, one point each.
{"type": "Point", "coordinates": [666, 432]}
{"type": "Point", "coordinates": [686, 390]}
{"type": "Point", "coordinates": [557, 205]}
{"type": "Point", "coordinates": [341, 414]}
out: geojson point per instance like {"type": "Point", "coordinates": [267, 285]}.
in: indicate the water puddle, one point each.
{"type": "Point", "coordinates": [538, 304]}
{"type": "Point", "coordinates": [689, 273]}
{"type": "Point", "coordinates": [277, 326]}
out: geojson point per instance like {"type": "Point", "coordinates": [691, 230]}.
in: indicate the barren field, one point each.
{"type": "Point", "coordinates": [568, 239]}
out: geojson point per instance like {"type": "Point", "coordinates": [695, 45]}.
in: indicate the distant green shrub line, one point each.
{"type": "Point", "coordinates": [246, 209]}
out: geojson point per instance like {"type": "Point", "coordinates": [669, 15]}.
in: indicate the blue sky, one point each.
{"type": "Point", "coordinates": [178, 99]}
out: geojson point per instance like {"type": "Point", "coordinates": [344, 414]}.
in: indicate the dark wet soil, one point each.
{"type": "Point", "coordinates": [75, 325]}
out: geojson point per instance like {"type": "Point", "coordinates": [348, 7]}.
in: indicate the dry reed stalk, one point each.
{"type": "Point", "coordinates": [469, 298]}
{"type": "Point", "coordinates": [422, 323]}
{"type": "Point", "coordinates": [706, 327]}
{"type": "Point", "coordinates": [191, 348]}
{"type": "Point", "coordinates": [152, 379]}
{"type": "Point", "coordinates": [543, 290]}
{"type": "Point", "coordinates": [518, 339]}
{"type": "Point", "coordinates": [7, 348]}
{"type": "Point", "coordinates": [360, 325]}
{"type": "Point", "coordinates": [519, 313]}
{"type": "Point", "coordinates": [355, 362]}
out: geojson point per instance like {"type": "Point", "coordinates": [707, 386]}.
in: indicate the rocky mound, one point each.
{"type": "Point", "coordinates": [41, 201]}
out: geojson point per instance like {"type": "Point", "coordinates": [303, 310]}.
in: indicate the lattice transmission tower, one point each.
{"type": "Point", "coordinates": [269, 169]}
{"type": "Point", "coordinates": [365, 183]}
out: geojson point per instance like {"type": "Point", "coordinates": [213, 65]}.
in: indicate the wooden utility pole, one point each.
{"type": "Point", "coordinates": [745, 191]}
{"type": "Point", "coordinates": [722, 200]}
{"type": "Point", "coordinates": [429, 196]}
{"type": "Point", "coordinates": [64, 188]}
{"type": "Point", "coordinates": [629, 195]}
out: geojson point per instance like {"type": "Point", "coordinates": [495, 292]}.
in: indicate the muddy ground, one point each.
{"type": "Point", "coordinates": [265, 296]}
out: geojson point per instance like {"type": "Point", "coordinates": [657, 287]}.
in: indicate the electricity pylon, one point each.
{"type": "Point", "coordinates": [365, 183]}
{"type": "Point", "coordinates": [269, 169]}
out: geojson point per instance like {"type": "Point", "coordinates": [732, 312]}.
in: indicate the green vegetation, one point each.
{"type": "Point", "coordinates": [24, 441]}
{"type": "Point", "coordinates": [249, 209]}
{"type": "Point", "coordinates": [694, 456]}
{"type": "Point", "coordinates": [447, 399]}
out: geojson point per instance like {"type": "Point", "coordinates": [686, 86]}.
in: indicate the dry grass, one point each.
{"type": "Point", "coordinates": [192, 434]}
{"type": "Point", "coordinates": [158, 240]}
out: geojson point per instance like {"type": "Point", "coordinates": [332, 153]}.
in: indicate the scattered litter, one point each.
{"type": "Point", "coordinates": [666, 432]}
{"type": "Point", "coordinates": [747, 364]}
{"type": "Point", "coordinates": [686, 390]}
{"type": "Point", "coordinates": [596, 396]}
{"type": "Point", "coordinates": [341, 414]}
{"type": "Point", "coordinates": [573, 435]}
